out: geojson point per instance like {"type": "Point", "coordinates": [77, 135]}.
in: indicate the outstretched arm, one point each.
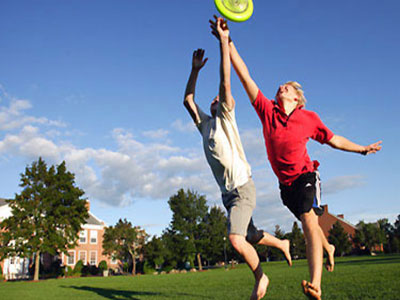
{"type": "Point", "coordinates": [197, 63]}
{"type": "Point", "coordinates": [341, 143]}
{"type": "Point", "coordinates": [225, 92]}
{"type": "Point", "coordinates": [238, 64]}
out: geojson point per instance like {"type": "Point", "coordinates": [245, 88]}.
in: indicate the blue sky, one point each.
{"type": "Point", "coordinates": [100, 85]}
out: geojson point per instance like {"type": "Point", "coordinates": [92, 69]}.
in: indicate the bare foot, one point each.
{"type": "Point", "coordinates": [330, 260]}
{"type": "Point", "coordinates": [260, 288]}
{"type": "Point", "coordinates": [311, 291]}
{"type": "Point", "coordinates": [286, 252]}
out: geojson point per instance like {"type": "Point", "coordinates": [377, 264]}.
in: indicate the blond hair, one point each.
{"type": "Point", "coordinates": [302, 100]}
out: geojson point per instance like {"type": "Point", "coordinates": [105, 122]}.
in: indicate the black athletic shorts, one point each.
{"type": "Point", "coordinates": [303, 194]}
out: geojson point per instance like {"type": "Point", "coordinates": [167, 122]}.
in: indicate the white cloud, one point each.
{"type": "Point", "coordinates": [148, 170]}
{"type": "Point", "coordinates": [13, 116]}
{"type": "Point", "coordinates": [156, 134]}
{"type": "Point", "coordinates": [183, 127]}
{"type": "Point", "coordinates": [341, 183]}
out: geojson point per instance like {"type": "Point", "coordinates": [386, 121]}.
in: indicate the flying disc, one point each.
{"type": "Point", "coordinates": [235, 10]}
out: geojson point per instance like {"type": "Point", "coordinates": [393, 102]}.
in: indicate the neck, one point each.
{"type": "Point", "coordinates": [288, 106]}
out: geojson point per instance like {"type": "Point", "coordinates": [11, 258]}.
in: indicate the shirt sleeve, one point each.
{"type": "Point", "coordinates": [321, 134]}
{"type": "Point", "coordinates": [203, 118]}
{"type": "Point", "coordinates": [224, 112]}
{"type": "Point", "coordinates": [262, 105]}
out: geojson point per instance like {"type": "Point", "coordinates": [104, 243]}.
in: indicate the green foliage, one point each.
{"type": "Point", "coordinates": [155, 253]}
{"type": "Point", "coordinates": [297, 243]}
{"type": "Point", "coordinates": [275, 254]}
{"type": "Point", "coordinates": [46, 216]}
{"type": "Point", "coordinates": [368, 235]}
{"type": "Point", "coordinates": [184, 235]}
{"type": "Point", "coordinates": [103, 266]}
{"type": "Point", "coordinates": [78, 267]}
{"type": "Point", "coordinates": [340, 239]}
{"type": "Point", "coordinates": [213, 233]}
{"type": "Point", "coordinates": [69, 272]}
{"type": "Point", "coordinates": [1, 271]}
{"type": "Point", "coordinates": [124, 242]}
{"type": "Point", "coordinates": [148, 268]}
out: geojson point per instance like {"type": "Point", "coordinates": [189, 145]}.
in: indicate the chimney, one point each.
{"type": "Point", "coordinates": [88, 205]}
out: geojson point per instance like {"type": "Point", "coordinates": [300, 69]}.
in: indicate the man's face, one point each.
{"type": "Point", "coordinates": [286, 92]}
{"type": "Point", "coordinates": [214, 106]}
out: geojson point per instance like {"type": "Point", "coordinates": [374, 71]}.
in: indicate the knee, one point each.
{"type": "Point", "coordinates": [237, 241]}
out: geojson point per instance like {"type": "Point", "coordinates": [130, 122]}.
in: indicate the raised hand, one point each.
{"type": "Point", "coordinates": [373, 148]}
{"type": "Point", "coordinates": [219, 28]}
{"type": "Point", "coordinates": [198, 62]}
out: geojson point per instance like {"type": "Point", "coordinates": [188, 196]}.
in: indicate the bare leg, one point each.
{"type": "Point", "coordinates": [330, 250]}
{"type": "Point", "coordinates": [312, 234]}
{"type": "Point", "coordinates": [247, 251]}
{"type": "Point", "coordinates": [283, 245]}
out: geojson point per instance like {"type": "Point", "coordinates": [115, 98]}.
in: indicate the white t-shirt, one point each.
{"type": "Point", "coordinates": [223, 148]}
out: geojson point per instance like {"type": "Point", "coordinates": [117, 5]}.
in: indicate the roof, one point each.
{"type": "Point", "coordinates": [3, 202]}
{"type": "Point", "coordinates": [93, 220]}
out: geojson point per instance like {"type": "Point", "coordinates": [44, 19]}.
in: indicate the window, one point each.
{"type": "Point", "coordinates": [93, 258]}
{"type": "Point", "coordinates": [82, 256]}
{"type": "Point", "coordinates": [83, 237]}
{"type": "Point", "coordinates": [71, 258]}
{"type": "Point", "coordinates": [93, 236]}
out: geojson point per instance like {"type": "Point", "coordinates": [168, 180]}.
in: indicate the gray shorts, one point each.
{"type": "Point", "coordinates": [240, 204]}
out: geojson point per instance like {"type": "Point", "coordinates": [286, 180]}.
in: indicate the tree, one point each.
{"type": "Point", "coordinates": [124, 242]}
{"type": "Point", "coordinates": [189, 210]}
{"type": "Point", "coordinates": [340, 239]}
{"type": "Point", "coordinates": [274, 253]}
{"type": "Point", "coordinates": [297, 243]}
{"type": "Point", "coordinates": [388, 231]}
{"type": "Point", "coordinates": [155, 252]}
{"type": "Point", "coordinates": [213, 234]}
{"type": "Point", "coordinates": [46, 216]}
{"type": "Point", "coordinates": [397, 227]}
{"type": "Point", "coordinates": [368, 235]}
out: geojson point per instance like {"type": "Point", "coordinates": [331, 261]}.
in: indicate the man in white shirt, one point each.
{"type": "Point", "coordinates": [225, 155]}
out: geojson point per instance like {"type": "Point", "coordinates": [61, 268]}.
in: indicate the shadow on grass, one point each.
{"type": "Point", "coordinates": [370, 260]}
{"type": "Point", "coordinates": [121, 294]}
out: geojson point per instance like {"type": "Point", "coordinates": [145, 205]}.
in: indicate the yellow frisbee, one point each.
{"type": "Point", "coordinates": [235, 10]}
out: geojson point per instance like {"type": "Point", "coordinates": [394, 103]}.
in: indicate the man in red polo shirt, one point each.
{"type": "Point", "coordinates": [287, 127]}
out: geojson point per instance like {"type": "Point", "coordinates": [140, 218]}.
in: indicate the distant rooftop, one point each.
{"type": "Point", "coordinates": [93, 220]}
{"type": "Point", "coordinates": [2, 202]}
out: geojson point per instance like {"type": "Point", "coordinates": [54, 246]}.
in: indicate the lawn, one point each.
{"type": "Point", "coordinates": [354, 278]}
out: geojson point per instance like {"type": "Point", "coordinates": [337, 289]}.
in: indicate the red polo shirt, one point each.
{"type": "Point", "coordinates": [286, 138]}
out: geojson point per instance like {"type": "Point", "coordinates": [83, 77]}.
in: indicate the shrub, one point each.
{"type": "Point", "coordinates": [125, 267]}
{"type": "Point", "coordinates": [69, 272]}
{"type": "Point", "coordinates": [103, 266]}
{"type": "Point", "coordinates": [148, 268]}
{"type": "Point", "coordinates": [78, 268]}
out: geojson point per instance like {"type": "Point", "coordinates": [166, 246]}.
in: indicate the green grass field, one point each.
{"type": "Point", "coordinates": [354, 278]}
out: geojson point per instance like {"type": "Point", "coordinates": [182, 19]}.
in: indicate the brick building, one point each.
{"type": "Point", "coordinates": [90, 245]}
{"type": "Point", "coordinates": [89, 248]}
{"type": "Point", "coordinates": [327, 220]}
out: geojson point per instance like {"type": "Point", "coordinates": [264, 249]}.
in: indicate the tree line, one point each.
{"type": "Point", "coordinates": [48, 215]}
